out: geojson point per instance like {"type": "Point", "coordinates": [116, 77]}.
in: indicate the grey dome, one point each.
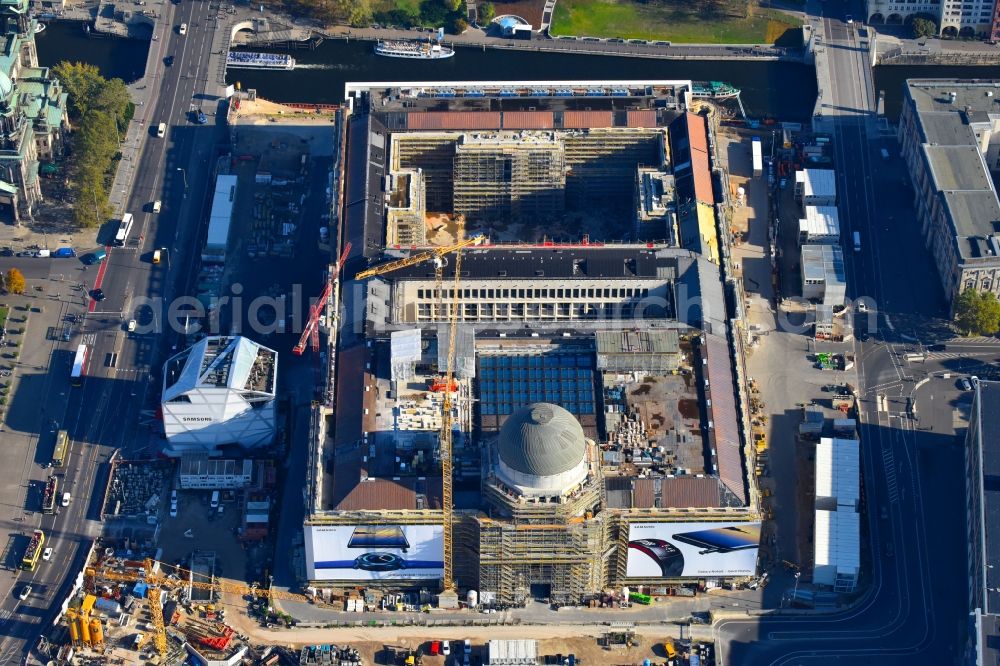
{"type": "Point", "coordinates": [542, 439]}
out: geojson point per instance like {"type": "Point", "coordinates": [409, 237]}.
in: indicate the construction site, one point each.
{"type": "Point", "coordinates": [539, 410]}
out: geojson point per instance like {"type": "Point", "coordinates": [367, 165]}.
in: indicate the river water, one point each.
{"type": "Point", "coordinates": [783, 90]}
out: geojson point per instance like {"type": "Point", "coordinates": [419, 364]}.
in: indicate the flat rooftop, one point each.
{"type": "Point", "coordinates": [949, 113]}
{"type": "Point", "coordinates": [825, 263]}
{"type": "Point", "coordinates": [581, 263]}
{"type": "Point", "coordinates": [988, 423]}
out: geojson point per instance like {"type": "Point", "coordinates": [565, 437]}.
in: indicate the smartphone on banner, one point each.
{"type": "Point", "coordinates": [722, 539]}
{"type": "Point", "coordinates": [378, 537]}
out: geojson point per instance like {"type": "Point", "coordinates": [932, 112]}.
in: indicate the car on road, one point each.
{"type": "Point", "coordinates": [182, 29]}
{"type": "Point", "coordinates": [161, 130]}
{"type": "Point", "coordinates": [95, 257]}
{"type": "Point", "coordinates": [47, 554]}
{"type": "Point", "coordinates": [25, 591]}
{"type": "Point", "coordinates": [66, 497]}
{"type": "Point", "coordinates": [964, 384]}
{"type": "Point", "coordinates": [157, 206]}
{"type": "Point", "coordinates": [97, 295]}
{"type": "Point", "coordinates": [131, 326]}
{"type": "Point", "coordinates": [168, 61]}
{"type": "Point", "coordinates": [862, 307]}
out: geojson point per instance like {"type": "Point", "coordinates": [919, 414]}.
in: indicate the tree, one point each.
{"type": "Point", "coordinates": [457, 26]}
{"type": "Point", "coordinates": [485, 13]}
{"type": "Point", "coordinates": [15, 281]}
{"type": "Point", "coordinates": [977, 313]}
{"type": "Point", "coordinates": [453, 5]}
{"type": "Point", "coordinates": [923, 27]}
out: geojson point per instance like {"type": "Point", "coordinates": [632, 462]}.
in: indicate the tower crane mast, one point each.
{"type": "Point", "coordinates": [445, 435]}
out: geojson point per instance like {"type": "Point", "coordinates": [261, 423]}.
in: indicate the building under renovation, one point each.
{"type": "Point", "coordinates": [595, 411]}
{"type": "Point", "coordinates": [542, 490]}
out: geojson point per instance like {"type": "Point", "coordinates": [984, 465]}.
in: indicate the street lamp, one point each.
{"type": "Point", "coordinates": [184, 176]}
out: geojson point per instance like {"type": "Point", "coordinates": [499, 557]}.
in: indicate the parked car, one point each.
{"type": "Point", "coordinates": [445, 648]}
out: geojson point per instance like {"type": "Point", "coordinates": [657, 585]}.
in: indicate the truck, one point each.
{"type": "Point", "coordinates": [758, 156]}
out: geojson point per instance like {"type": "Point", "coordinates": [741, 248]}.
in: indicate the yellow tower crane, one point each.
{"type": "Point", "coordinates": [178, 578]}
{"type": "Point", "coordinates": [437, 255]}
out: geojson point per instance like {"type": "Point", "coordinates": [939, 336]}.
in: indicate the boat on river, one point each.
{"type": "Point", "coordinates": [414, 50]}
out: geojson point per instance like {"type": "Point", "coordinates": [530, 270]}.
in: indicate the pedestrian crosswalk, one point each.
{"type": "Point", "coordinates": [889, 465]}
{"type": "Point", "coordinates": [982, 340]}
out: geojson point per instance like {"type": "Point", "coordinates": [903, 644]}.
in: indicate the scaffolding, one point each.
{"type": "Point", "coordinates": [406, 210]}
{"type": "Point", "coordinates": [561, 560]}
{"type": "Point", "coordinates": [602, 165]}
{"type": "Point", "coordinates": [433, 154]}
{"type": "Point", "coordinates": [510, 177]}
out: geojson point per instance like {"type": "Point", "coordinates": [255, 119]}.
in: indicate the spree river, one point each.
{"type": "Point", "coordinates": [786, 91]}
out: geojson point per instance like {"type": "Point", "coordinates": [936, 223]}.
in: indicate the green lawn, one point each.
{"type": "Point", "coordinates": [707, 22]}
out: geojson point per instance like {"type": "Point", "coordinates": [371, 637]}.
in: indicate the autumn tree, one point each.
{"type": "Point", "coordinates": [14, 281]}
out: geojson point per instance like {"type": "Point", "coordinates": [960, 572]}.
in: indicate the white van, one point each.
{"type": "Point", "coordinates": [157, 205]}
{"type": "Point", "coordinates": [43, 253]}
{"type": "Point", "coordinates": [215, 499]}
{"type": "Point", "coordinates": [161, 130]}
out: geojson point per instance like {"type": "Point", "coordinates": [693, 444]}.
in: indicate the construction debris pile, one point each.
{"type": "Point", "coordinates": [277, 204]}
{"type": "Point", "coordinates": [136, 489]}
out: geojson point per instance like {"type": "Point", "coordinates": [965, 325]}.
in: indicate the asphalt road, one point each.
{"type": "Point", "coordinates": [122, 374]}
{"type": "Point", "coordinates": [913, 561]}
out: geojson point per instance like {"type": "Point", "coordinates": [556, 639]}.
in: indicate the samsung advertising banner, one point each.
{"type": "Point", "coordinates": [692, 550]}
{"type": "Point", "coordinates": [374, 552]}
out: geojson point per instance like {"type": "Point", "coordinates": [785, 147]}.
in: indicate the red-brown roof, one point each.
{"type": "Point", "coordinates": [689, 491]}
{"type": "Point", "coordinates": [453, 120]}
{"type": "Point", "coordinates": [702, 177]}
{"type": "Point", "coordinates": [645, 118]}
{"type": "Point", "coordinates": [676, 493]}
{"type": "Point", "coordinates": [389, 494]}
{"type": "Point", "coordinates": [587, 119]}
{"type": "Point", "coordinates": [528, 120]}
{"type": "Point", "coordinates": [697, 132]}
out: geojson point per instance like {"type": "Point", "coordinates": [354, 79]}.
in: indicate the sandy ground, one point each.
{"type": "Point", "coordinates": [578, 639]}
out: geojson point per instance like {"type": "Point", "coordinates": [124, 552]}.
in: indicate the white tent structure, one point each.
{"type": "Point", "coordinates": [220, 391]}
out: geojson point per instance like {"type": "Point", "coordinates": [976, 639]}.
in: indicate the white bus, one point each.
{"type": "Point", "coordinates": [124, 229]}
{"type": "Point", "coordinates": [79, 365]}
